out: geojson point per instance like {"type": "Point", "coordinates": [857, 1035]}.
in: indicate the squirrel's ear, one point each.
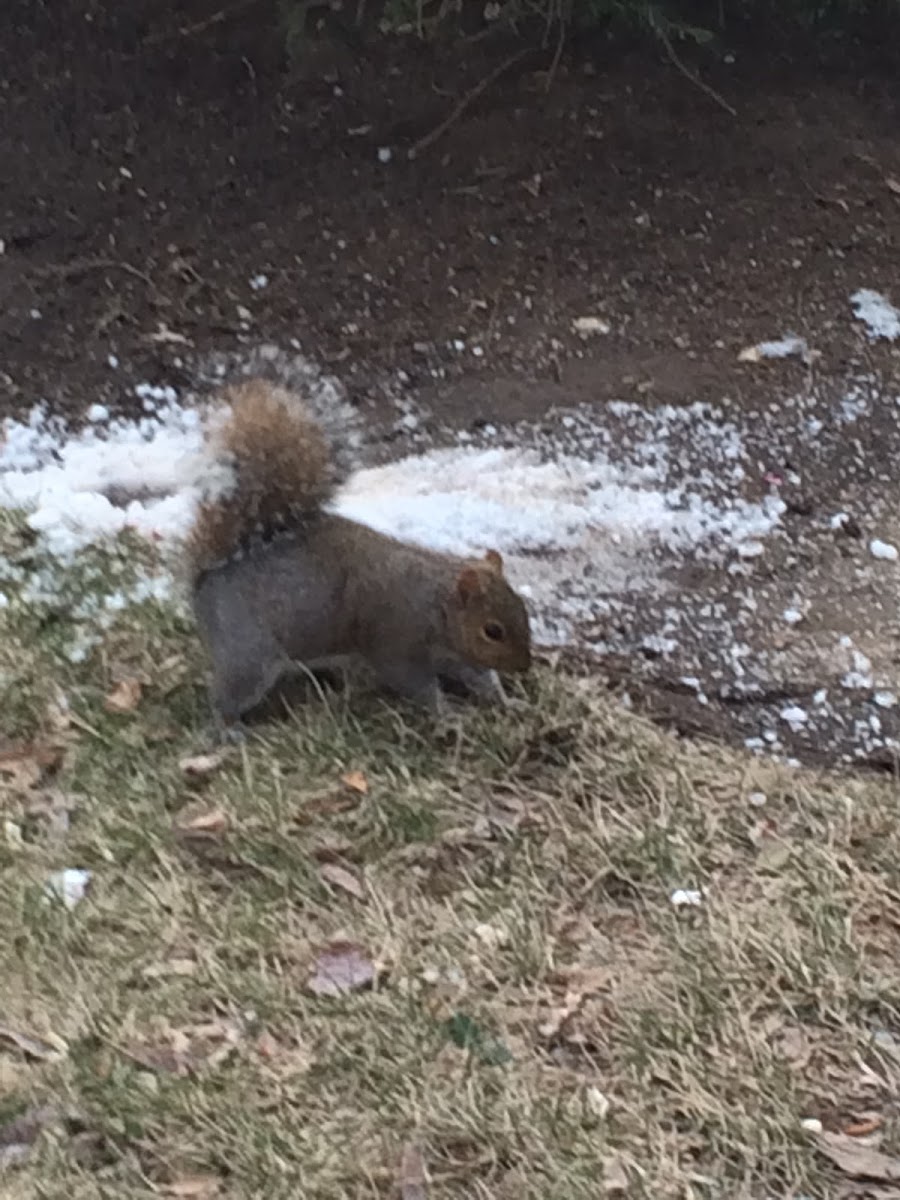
{"type": "Point", "coordinates": [468, 584]}
{"type": "Point", "coordinates": [494, 560]}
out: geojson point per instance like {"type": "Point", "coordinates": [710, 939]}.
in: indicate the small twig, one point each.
{"type": "Point", "coordinates": [199, 26]}
{"type": "Point", "coordinates": [81, 265]}
{"type": "Point", "coordinates": [551, 74]}
{"type": "Point", "coordinates": [689, 74]}
{"type": "Point", "coordinates": [468, 99]}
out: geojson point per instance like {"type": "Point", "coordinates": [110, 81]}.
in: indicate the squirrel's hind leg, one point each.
{"type": "Point", "coordinates": [241, 684]}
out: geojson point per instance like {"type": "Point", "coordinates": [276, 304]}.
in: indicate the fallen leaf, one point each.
{"type": "Point", "coordinates": [283, 1060]}
{"type": "Point", "coordinates": [326, 803]}
{"type": "Point", "coordinates": [210, 823]}
{"type": "Point", "coordinates": [18, 1136]}
{"type": "Point", "coordinates": [341, 967]}
{"type": "Point", "coordinates": [125, 696]}
{"type": "Point", "coordinates": [412, 1180]}
{"type": "Point", "coordinates": [491, 936]}
{"type": "Point", "coordinates": [340, 877]}
{"type": "Point", "coordinates": [330, 847]}
{"type": "Point", "coordinates": [893, 185]}
{"type": "Point", "coordinates": [792, 1044]}
{"type": "Point", "coordinates": [356, 782]}
{"type": "Point", "coordinates": [198, 766]}
{"type": "Point", "coordinates": [597, 1102]}
{"type": "Point", "coordinates": [267, 1045]}
{"type": "Point", "coordinates": [14, 1154]}
{"type": "Point", "coordinates": [25, 765]}
{"type": "Point", "coordinates": [188, 1050]}
{"type": "Point", "coordinates": [580, 982]}
{"type": "Point", "coordinates": [615, 1177]}
{"type": "Point", "coordinates": [58, 714]}
{"type": "Point", "coordinates": [198, 1187]}
{"type": "Point", "coordinates": [857, 1159]}
{"type": "Point", "coordinates": [50, 808]}
{"type": "Point", "coordinates": [865, 1126]}
{"type": "Point", "coordinates": [46, 1049]}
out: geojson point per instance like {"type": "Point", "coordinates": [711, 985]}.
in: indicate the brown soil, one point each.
{"type": "Point", "coordinates": [151, 174]}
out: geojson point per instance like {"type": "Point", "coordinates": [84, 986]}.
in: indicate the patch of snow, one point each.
{"type": "Point", "coordinates": [795, 716]}
{"type": "Point", "coordinates": [581, 507]}
{"type": "Point", "coordinates": [785, 347]}
{"type": "Point", "coordinates": [877, 313]}
{"type": "Point", "coordinates": [69, 887]}
{"type": "Point", "coordinates": [883, 550]}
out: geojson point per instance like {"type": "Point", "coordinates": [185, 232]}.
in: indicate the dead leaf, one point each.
{"type": "Point", "coordinates": [865, 1126]}
{"type": "Point", "coordinates": [18, 1136]}
{"type": "Point", "coordinates": [198, 1187]}
{"type": "Point", "coordinates": [186, 1051]}
{"type": "Point", "coordinates": [331, 847]}
{"type": "Point", "coordinates": [893, 185]}
{"type": "Point", "coordinates": [857, 1159]}
{"type": "Point", "coordinates": [198, 766]}
{"type": "Point", "coordinates": [615, 1177]}
{"type": "Point", "coordinates": [58, 714]}
{"type": "Point", "coordinates": [792, 1044]}
{"type": "Point", "coordinates": [46, 1049]}
{"type": "Point", "coordinates": [23, 766]}
{"type": "Point", "coordinates": [341, 967]}
{"type": "Point", "coordinates": [356, 782]}
{"type": "Point", "coordinates": [412, 1179]}
{"type": "Point", "coordinates": [25, 1128]}
{"type": "Point", "coordinates": [267, 1045]}
{"type": "Point", "coordinates": [52, 809]}
{"type": "Point", "coordinates": [204, 824]}
{"type": "Point", "coordinates": [339, 877]}
{"type": "Point", "coordinates": [283, 1060]}
{"type": "Point", "coordinates": [580, 982]}
{"type": "Point", "coordinates": [125, 696]}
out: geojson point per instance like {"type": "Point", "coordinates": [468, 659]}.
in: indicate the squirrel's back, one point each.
{"type": "Point", "coordinates": [275, 468]}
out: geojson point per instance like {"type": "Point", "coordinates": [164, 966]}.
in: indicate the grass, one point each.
{"type": "Point", "coordinates": [542, 1021]}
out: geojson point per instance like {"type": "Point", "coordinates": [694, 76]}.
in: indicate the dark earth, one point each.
{"type": "Point", "coordinates": [156, 162]}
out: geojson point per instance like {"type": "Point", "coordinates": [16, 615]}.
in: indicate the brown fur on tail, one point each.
{"type": "Point", "coordinates": [271, 469]}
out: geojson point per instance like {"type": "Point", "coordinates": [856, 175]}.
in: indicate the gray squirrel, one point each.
{"type": "Point", "coordinates": [280, 584]}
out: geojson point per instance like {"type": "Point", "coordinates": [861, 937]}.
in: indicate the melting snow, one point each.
{"type": "Point", "coordinates": [877, 312]}
{"type": "Point", "coordinates": [571, 522]}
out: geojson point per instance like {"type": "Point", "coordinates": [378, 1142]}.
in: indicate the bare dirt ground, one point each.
{"type": "Point", "coordinates": [153, 177]}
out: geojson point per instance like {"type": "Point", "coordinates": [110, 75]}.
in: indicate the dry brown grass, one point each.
{"type": "Point", "coordinates": [544, 1022]}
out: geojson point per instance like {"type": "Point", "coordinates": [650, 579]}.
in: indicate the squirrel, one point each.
{"type": "Point", "coordinates": [280, 584]}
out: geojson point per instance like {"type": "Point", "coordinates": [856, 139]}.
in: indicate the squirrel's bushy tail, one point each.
{"type": "Point", "coordinates": [272, 467]}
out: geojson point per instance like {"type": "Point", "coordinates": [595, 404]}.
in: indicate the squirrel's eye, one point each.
{"type": "Point", "coordinates": [493, 631]}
